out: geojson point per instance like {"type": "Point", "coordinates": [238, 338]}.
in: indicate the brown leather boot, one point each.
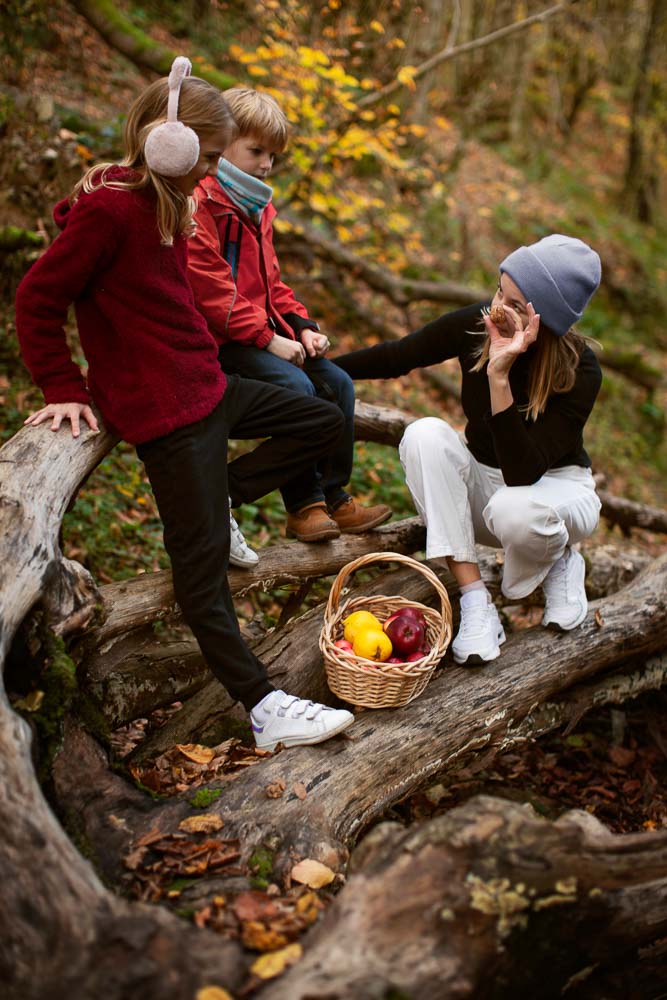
{"type": "Point", "coordinates": [353, 519]}
{"type": "Point", "coordinates": [312, 524]}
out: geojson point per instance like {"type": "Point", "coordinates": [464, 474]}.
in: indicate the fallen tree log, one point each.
{"type": "Point", "coordinates": [490, 900]}
{"type": "Point", "coordinates": [128, 678]}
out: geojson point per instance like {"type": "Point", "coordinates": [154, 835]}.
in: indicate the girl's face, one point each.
{"type": "Point", "coordinates": [508, 294]}
{"type": "Point", "coordinates": [251, 155]}
{"type": "Point", "coordinates": [210, 151]}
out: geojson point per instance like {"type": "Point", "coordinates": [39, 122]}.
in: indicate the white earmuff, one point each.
{"type": "Point", "coordinates": [172, 149]}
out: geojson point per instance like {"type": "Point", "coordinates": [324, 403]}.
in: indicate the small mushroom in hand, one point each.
{"type": "Point", "coordinates": [497, 314]}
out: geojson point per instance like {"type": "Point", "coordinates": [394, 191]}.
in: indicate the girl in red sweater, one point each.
{"type": "Point", "coordinates": [154, 375]}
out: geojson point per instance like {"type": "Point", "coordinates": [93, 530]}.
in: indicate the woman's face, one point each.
{"type": "Point", "coordinates": [210, 151]}
{"type": "Point", "coordinates": [509, 294]}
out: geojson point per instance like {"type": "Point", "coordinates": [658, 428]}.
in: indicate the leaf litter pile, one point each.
{"type": "Point", "coordinates": [266, 918]}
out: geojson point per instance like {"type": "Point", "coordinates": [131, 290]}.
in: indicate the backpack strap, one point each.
{"type": "Point", "coordinates": [231, 244]}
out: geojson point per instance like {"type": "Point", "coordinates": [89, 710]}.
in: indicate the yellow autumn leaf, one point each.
{"type": "Point", "coordinates": [213, 993]}
{"type": "Point", "coordinates": [406, 76]}
{"type": "Point", "coordinates": [196, 752]}
{"type": "Point", "coordinates": [268, 966]}
{"type": "Point", "coordinates": [257, 71]}
{"type": "Point", "coordinates": [376, 26]}
{"type": "Point", "coordinates": [312, 873]}
{"type": "Point", "coordinates": [202, 823]}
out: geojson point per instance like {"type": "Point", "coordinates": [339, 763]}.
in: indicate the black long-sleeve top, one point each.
{"type": "Point", "coordinates": [522, 449]}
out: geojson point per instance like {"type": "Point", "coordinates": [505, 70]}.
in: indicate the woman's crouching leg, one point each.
{"type": "Point", "coordinates": [437, 467]}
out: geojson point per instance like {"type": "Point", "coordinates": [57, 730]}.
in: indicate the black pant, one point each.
{"type": "Point", "coordinates": [191, 481]}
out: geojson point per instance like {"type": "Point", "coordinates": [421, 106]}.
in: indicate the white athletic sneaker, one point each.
{"type": "Point", "coordinates": [283, 718]}
{"type": "Point", "coordinates": [240, 553]}
{"type": "Point", "coordinates": [566, 604]}
{"type": "Point", "coordinates": [480, 633]}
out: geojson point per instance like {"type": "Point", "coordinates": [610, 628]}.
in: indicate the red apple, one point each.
{"type": "Point", "coordinates": [394, 659]}
{"type": "Point", "coordinates": [406, 634]}
{"type": "Point", "coordinates": [343, 644]}
{"type": "Point", "coordinates": [418, 654]}
{"type": "Point", "coordinates": [414, 613]}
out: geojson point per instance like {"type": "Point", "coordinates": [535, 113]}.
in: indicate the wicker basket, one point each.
{"type": "Point", "coordinates": [366, 682]}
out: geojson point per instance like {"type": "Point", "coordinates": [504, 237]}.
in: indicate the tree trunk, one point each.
{"type": "Point", "coordinates": [641, 180]}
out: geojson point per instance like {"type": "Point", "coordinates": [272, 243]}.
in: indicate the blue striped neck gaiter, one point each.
{"type": "Point", "coordinates": [248, 192]}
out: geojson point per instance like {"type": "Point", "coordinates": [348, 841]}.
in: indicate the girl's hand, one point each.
{"type": "Point", "coordinates": [504, 350]}
{"type": "Point", "coordinates": [64, 411]}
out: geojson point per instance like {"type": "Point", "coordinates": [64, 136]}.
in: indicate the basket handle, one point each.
{"type": "Point", "coordinates": [375, 557]}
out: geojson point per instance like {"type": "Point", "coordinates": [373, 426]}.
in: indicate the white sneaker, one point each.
{"type": "Point", "coordinates": [566, 604]}
{"type": "Point", "coordinates": [480, 633]}
{"type": "Point", "coordinates": [240, 553]}
{"type": "Point", "coordinates": [283, 718]}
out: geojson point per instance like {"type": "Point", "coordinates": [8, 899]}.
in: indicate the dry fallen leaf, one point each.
{"type": "Point", "coordinates": [276, 789]}
{"type": "Point", "coordinates": [196, 752]}
{"type": "Point", "coordinates": [254, 905]}
{"type": "Point", "coordinates": [300, 790]}
{"type": "Point", "coordinates": [268, 966]}
{"type": "Point", "coordinates": [312, 873]}
{"type": "Point", "coordinates": [203, 823]}
{"type": "Point", "coordinates": [599, 620]}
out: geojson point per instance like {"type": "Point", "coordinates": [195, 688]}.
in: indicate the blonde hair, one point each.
{"type": "Point", "coordinates": [553, 366]}
{"type": "Point", "coordinates": [202, 108]}
{"type": "Point", "coordinates": [258, 114]}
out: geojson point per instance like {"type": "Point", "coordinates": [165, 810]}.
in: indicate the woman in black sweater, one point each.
{"type": "Point", "coordinates": [518, 478]}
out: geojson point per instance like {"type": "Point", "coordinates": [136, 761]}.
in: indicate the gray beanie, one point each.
{"type": "Point", "coordinates": [558, 274]}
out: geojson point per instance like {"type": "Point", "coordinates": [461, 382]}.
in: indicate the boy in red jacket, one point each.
{"type": "Point", "coordinates": [263, 330]}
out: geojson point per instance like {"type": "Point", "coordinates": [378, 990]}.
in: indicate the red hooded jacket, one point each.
{"type": "Point", "coordinates": [152, 363]}
{"type": "Point", "coordinates": [235, 275]}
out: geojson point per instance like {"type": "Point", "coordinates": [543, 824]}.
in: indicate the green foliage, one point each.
{"type": "Point", "coordinates": [205, 797]}
{"type": "Point", "coordinates": [261, 865]}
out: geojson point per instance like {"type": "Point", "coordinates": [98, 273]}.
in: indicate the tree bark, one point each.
{"type": "Point", "coordinates": [490, 901]}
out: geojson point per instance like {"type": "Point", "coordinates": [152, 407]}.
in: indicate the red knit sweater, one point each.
{"type": "Point", "coordinates": [152, 363]}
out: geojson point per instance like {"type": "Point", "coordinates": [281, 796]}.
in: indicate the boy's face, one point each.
{"type": "Point", "coordinates": [251, 154]}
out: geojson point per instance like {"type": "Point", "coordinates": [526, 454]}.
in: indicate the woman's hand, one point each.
{"type": "Point", "coordinates": [288, 350]}
{"type": "Point", "coordinates": [57, 412]}
{"type": "Point", "coordinates": [504, 349]}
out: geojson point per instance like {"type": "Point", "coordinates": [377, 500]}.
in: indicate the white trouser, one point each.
{"type": "Point", "coordinates": [462, 502]}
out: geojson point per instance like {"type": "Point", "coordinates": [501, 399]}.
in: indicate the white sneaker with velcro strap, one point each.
{"type": "Point", "coordinates": [240, 553]}
{"type": "Point", "coordinates": [284, 718]}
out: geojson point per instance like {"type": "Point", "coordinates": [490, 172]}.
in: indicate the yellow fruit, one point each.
{"type": "Point", "coordinates": [357, 621]}
{"type": "Point", "coordinates": [372, 644]}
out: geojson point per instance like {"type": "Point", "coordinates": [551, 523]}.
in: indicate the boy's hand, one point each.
{"type": "Point", "coordinates": [64, 411]}
{"type": "Point", "coordinates": [288, 350]}
{"type": "Point", "coordinates": [315, 343]}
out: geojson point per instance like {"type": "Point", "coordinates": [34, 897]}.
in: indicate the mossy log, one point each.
{"type": "Point", "coordinates": [118, 31]}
